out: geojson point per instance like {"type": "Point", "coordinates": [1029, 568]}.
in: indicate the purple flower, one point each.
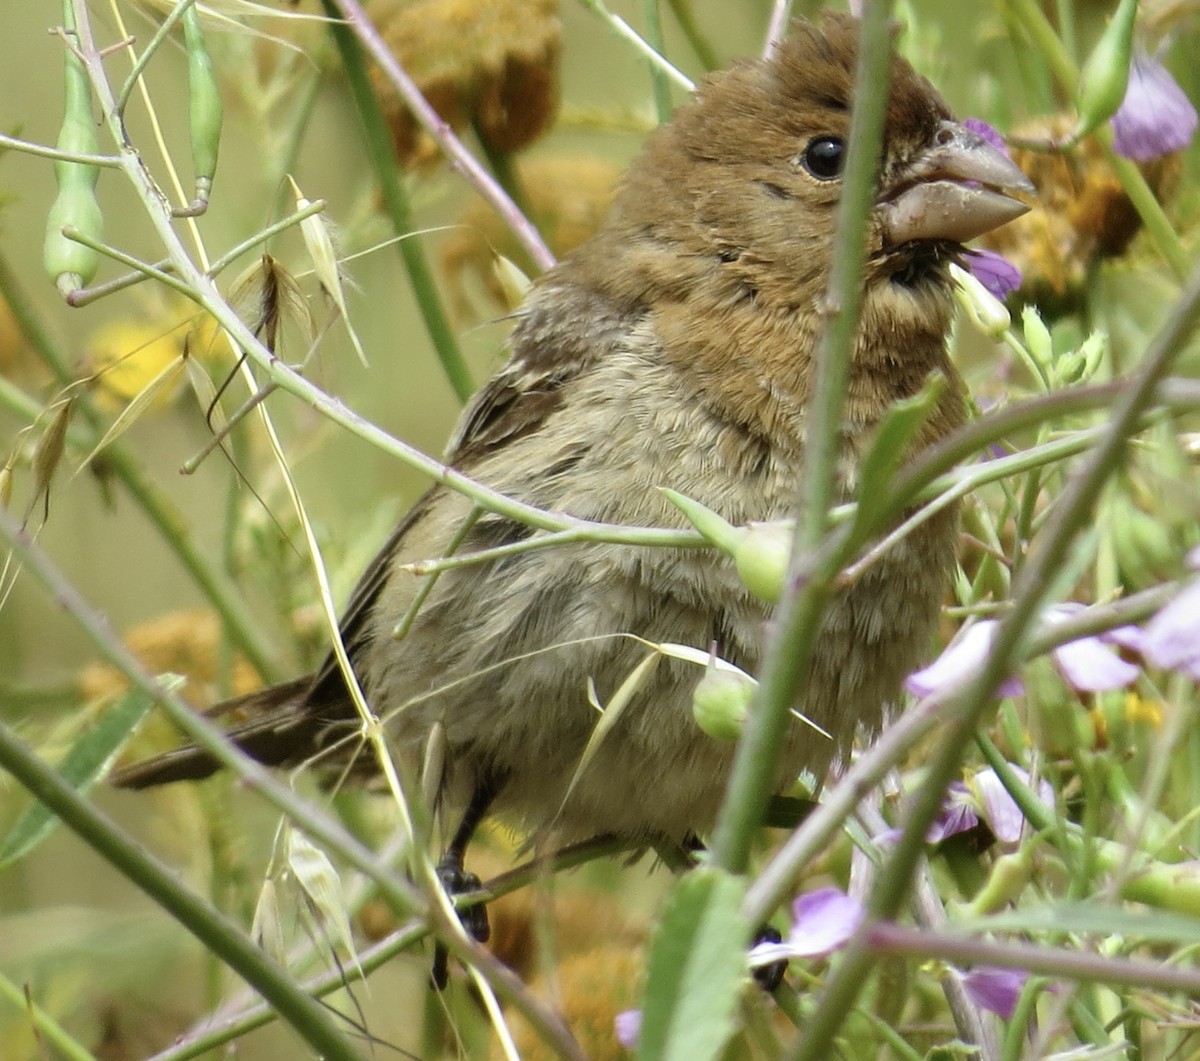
{"type": "Point", "coordinates": [958, 663]}
{"type": "Point", "coordinates": [984, 798]}
{"type": "Point", "coordinates": [981, 128]}
{"type": "Point", "coordinates": [628, 1026]}
{"type": "Point", "coordinates": [995, 990]}
{"type": "Point", "coordinates": [994, 271]}
{"type": "Point", "coordinates": [1172, 637]}
{"type": "Point", "coordinates": [1087, 664]}
{"type": "Point", "coordinates": [958, 814]}
{"type": "Point", "coordinates": [999, 809]}
{"type": "Point", "coordinates": [822, 921]}
{"type": "Point", "coordinates": [1156, 117]}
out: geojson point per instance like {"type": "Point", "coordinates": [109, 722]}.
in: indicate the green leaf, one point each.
{"type": "Point", "coordinates": [697, 967]}
{"type": "Point", "coordinates": [88, 760]}
{"type": "Point", "coordinates": [891, 445]}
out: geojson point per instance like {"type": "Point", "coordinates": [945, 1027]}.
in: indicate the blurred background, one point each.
{"type": "Point", "coordinates": [97, 955]}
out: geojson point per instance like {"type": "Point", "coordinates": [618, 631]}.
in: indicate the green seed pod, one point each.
{"type": "Point", "coordinates": [204, 107]}
{"type": "Point", "coordinates": [721, 701]}
{"type": "Point", "coordinates": [1105, 75]}
{"type": "Point", "coordinates": [69, 264]}
{"type": "Point", "coordinates": [762, 556]}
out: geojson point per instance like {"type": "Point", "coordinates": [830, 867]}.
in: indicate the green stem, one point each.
{"type": "Point", "coordinates": [1032, 19]}
{"type": "Point", "coordinates": [395, 198]}
{"type": "Point", "coordinates": [503, 167]}
{"type": "Point", "coordinates": [1059, 963]}
{"type": "Point", "coordinates": [686, 17]}
{"type": "Point", "coordinates": [218, 934]}
{"type": "Point", "coordinates": [47, 1027]}
{"type": "Point", "coordinates": [654, 37]}
{"type": "Point", "coordinates": [1158, 225]}
{"type": "Point", "coordinates": [801, 611]}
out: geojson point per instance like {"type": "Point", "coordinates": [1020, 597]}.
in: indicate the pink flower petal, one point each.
{"type": "Point", "coordinates": [999, 809]}
{"type": "Point", "coordinates": [957, 816]}
{"type": "Point", "coordinates": [1087, 664]}
{"type": "Point", "coordinates": [988, 132]}
{"type": "Point", "coordinates": [994, 271]}
{"type": "Point", "coordinates": [628, 1025]}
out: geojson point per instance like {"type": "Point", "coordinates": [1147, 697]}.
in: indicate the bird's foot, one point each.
{"type": "Point", "coordinates": [456, 881]}
{"type": "Point", "coordinates": [769, 977]}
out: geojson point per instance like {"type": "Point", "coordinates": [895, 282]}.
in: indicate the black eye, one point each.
{"type": "Point", "coordinates": [823, 157]}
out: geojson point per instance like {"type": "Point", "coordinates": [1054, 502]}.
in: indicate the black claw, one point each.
{"type": "Point", "coordinates": [474, 919]}
{"type": "Point", "coordinates": [770, 976]}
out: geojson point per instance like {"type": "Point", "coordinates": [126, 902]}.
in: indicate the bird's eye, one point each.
{"type": "Point", "coordinates": [823, 157]}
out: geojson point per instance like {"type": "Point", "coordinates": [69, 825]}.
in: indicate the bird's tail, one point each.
{"type": "Point", "coordinates": [281, 729]}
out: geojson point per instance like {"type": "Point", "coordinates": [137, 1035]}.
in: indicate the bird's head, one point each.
{"type": "Point", "coordinates": [744, 181]}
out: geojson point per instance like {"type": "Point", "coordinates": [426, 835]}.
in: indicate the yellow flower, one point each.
{"type": "Point", "coordinates": [126, 356]}
{"type": "Point", "coordinates": [1081, 214]}
{"type": "Point", "coordinates": [1147, 711]}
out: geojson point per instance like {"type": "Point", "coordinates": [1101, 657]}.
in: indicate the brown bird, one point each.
{"type": "Point", "coordinates": [672, 350]}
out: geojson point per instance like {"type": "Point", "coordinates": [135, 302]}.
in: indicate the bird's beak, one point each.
{"type": "Point", "coordinates": [957, 190]}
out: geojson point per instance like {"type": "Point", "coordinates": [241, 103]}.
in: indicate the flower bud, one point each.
{"type": "Point", "coordinates": [1037, 337]}
{"type": "Point", "coordinates": [762, 556]}
{"type": "Point", "coordinates": [721, 702]}
{"type": "Point", "coordinates": [1105, 75]}
{"type": "Point", "coordinates": [986, 311]}
{"type": "Point", "coordinates": [1156, 117]}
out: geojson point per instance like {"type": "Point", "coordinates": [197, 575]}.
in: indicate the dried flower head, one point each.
{"type": "Point", "coordinates": [593, 990]}
{"type": "Point", "coordinates": [490, 64]}
{"type": "Point", "coordinates": [183, 642]}
{"type": "Point", "coordinates": [1082, 213]}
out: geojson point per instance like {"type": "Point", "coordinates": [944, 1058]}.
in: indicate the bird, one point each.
{"type": "Point", "coordinates": [674, 349]}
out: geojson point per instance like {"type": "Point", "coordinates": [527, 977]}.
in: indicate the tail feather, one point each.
{"type": "Point", "coordinates": [282, 729]}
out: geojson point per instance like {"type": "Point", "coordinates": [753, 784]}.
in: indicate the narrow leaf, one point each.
{"type": "Point", "coordinates": [891, 445]}
{"type": "Point", "coordinates": [89, 759]}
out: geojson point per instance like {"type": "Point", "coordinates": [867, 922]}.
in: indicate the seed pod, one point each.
{"type": "Point", "coordinates": [721, 701]}
{"type": "Point", "coordinates": [6, 485]}
{"type": "Point", "coordinates": [204, 108]}
{"type": "Point", "coordinates": [762, 557]}
{"type": "Point", "coordinates": [69, 264]}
